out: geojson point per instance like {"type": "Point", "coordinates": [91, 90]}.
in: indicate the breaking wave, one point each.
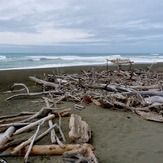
{"type": "Point", "coordinates": [3, 57]}
{"type": "Point", "coordinates": [21, 61]}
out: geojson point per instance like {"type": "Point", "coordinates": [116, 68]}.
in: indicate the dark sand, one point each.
{"type": "Point", "coordinates": [118, 137]}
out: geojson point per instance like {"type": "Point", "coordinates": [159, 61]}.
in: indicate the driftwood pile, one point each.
{"type": "Point", "coordinates": [136, 90]}
{"type": "Point", "coordinates": [79, 135]}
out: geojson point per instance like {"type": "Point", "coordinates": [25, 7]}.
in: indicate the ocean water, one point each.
{"type": "Point", "coordinates": [10, 61]}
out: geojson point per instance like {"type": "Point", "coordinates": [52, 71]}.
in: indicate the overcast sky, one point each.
{"type": "Point", "coordinates": [81, 26]}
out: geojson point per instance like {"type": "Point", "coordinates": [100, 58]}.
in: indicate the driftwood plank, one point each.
{"type": "Point", "coordinates": [42, 82]}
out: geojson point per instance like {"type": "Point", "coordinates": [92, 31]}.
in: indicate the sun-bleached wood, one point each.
{"type": "Point", "coordinates": [80, 131]}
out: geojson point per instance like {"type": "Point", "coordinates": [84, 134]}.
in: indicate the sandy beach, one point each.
{"type": "Point", "coordinates": [118, 137]}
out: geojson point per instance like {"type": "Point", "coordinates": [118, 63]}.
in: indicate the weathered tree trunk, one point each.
{"type": "Point", "coordinates": [84, 149]}
{"type": "Point", "coordinates": [47, 149]}
{"type": "Point", "coordinates": [80, 131]}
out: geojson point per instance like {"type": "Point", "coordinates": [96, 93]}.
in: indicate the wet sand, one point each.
{"type": "Point", "coordinates": [118, 137]}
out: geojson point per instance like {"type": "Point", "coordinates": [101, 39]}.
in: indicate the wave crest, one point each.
{"type": "Point", "coordinates": [3, 57]}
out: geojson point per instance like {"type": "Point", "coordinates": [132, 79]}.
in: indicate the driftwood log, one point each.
{"type": "Point", "coordinates": [16, 115]}
{"type": "Point", "coordinates": [85, 151]}
{"type": "Point", "coordinates": [14, 119]}
{"type": "Point", "coordinates": [11, 144]}
{"type": "Point", "coordinates": [151, 116]}
{"type": "Point", "coordinates": [50, 149]}
{"type": "Point", "coordinates": [42, 82]}
{"type": "Point", "coordinates": [5, 137]}
{"type": "Point", "coordinates": [42, 113]}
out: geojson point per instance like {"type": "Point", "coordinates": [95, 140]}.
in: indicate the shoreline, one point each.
{"type": "Point", "coordinates": [22, 75]}
{"type": "Point", "coordinates": [86, 65]}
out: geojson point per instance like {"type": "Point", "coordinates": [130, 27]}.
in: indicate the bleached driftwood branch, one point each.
{"type": "Point", "coordinates": [5, 137]}
{"type": "Point", "coordinates": [23, 129]}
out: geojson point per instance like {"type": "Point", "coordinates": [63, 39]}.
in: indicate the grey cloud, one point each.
{"type": "Point", "coordinates": [113, 23]}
